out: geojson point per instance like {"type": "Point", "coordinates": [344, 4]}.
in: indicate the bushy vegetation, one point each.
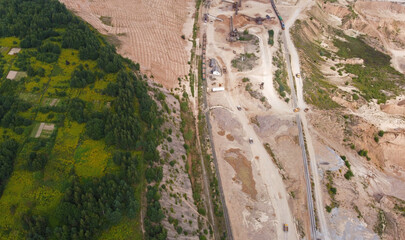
{"type": "Point", "coordinates": [281, 76]}
{"type": "Point", "coordinates": [8, 151]}
{"type": "Point", "coordinates": [271, 37]}
{"type": "Point", "coordinates": [376, 77]}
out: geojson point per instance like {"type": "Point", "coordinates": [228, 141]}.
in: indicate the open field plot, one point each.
{"type": "Point", "coordinates": [14, 51]}
{"type": "Point", "coordinates": [91, 158]}
{"type": "Point", "coordinates": [4, 50]}
{"type": "Point", "coordinates": [30, 97]}
{"type": "Point", "coordinates": [50, 102]}
{"type": "Point", "coordinates": [9, 42]}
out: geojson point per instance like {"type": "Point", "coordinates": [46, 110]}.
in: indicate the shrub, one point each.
{"type": "Point", "coordinates": [349, 174]}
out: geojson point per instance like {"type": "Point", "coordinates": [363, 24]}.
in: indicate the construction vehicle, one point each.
{"type": "Point", "coordinates": [285, 227]}
{"type": "Point", "coordinates": [298, 75]}
{"type": "Point", "coordinates": [306, 109]}
{"type": "Point", "coordinates": [239, 108]}
{"type": "Point", "coordinates": [262, 85]}
{"type": "Point", "coordinates": [233, 34]}
{"type": "Point", "coordinates": [297, 109]}
{"type": "Point", "coordinates": [250, 140]}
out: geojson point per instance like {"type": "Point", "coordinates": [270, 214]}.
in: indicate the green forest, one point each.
{"type": "Point", "coordinates": [79, 131]}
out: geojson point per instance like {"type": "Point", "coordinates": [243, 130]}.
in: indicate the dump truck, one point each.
{"type": "Point", "coordinates": [296, 109]}
{"type": "Point", "coordinates": [285, 227]}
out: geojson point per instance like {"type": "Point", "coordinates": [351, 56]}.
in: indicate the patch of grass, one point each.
{"type": "Point", "coordinates": [91, 158]}
{"type": "Point", "coordinates": [106, 20]}
{"type": "Point", "coordinates": [317, 91]}
{"type": "Point", "coordinates": [376, 79]}
{"type": "Point", "coordinates": [271, 37]}
{"type": "Point", "coordinates": [244, 62]}
{"type": "Point", "coordinates": [381, 223]}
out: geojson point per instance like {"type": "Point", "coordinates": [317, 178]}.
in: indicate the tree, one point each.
{"type": "Point", "coordinates": [95, 128]}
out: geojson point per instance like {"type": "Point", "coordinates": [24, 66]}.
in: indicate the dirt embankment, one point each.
{"type": "Point", "coordinates": [151, 32]}
{"type": "Point", "coordinates": [177, 197]}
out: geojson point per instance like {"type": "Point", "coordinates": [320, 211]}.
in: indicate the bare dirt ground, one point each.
{"type": "Point", "coordinates": [149, 32]}
{"type": "Point", "coordinates": [273, 163]}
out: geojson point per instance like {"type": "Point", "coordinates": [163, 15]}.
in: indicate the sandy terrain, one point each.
{"type": "Point", "coordinates": [149, 32]}
{"type": "Point", "coordinates": [367, 201]}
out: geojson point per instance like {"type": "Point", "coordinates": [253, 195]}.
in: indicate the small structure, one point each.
{"type": "Point", "coordinates": [11, 75]}
{"type": "Point", "coordinates": [14, 51]}
{"type": "Point", "coordinates": [216, 71]}
{"type": "Point", "coordinates": [218, 89]}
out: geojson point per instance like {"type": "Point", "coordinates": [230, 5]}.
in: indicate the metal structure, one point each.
{"type": "Point", "coordinates": [235, 5]}
{"type": "Point", "coordinates": [216, 18]}
{"type": "Point", "coordinates": [233, 32]}
{"type": "Point", "coordinates": [258, 20]}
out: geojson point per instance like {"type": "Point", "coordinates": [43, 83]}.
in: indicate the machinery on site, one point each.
{"type": "Point", "coordinates": [235, 5]}
{"type": "Point", "coordinates": [296, 109]}
{"type": "Point", "coordinates": [259, 20]}
{"type": "Point", "coordinates": [298, 75]}
{"type": "Point", "coordinates": [278, 14]}
{"type": "Point", "coordinates": [233, 33]}
{"type": "Point", "coordinates": [285, 227]}
{"type": "Point", "coordinates": [261, 85]}
{"type": "Point", "coordinates": [250, 140]}
{"type": "Point", "coordinates": [207, 16]}
{"type": "Point", "coordinates": [239, 108]}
